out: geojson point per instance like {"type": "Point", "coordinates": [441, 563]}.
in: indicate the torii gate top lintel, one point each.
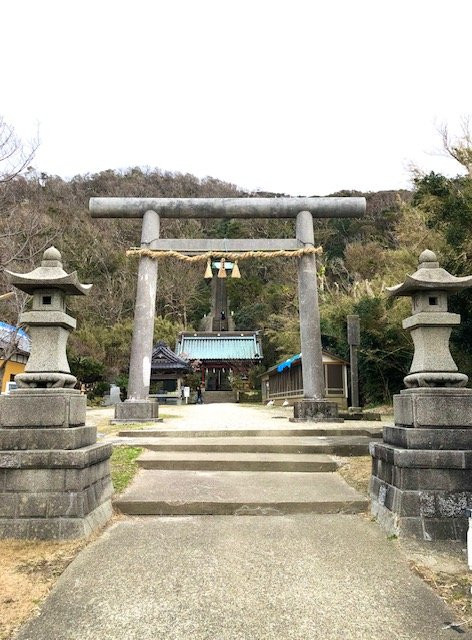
{"type": "Point", "coordinates": [330, 207]}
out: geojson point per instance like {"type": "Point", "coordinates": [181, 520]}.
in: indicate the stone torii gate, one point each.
{"type": "Point", "coordinates": [138, 405]}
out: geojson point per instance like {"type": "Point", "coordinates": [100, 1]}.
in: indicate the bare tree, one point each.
{"type": "Point", "coordinates": [22, 230]}
{"type": "Point", "coordinates": [24, 234]}
{"type": "Point", "coordinates": [15, 156]}
{"type": "Point", "coordinates": [460, 147]}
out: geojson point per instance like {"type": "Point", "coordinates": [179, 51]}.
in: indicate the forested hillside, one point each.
{"type": "Point", "coordinates": [360, 258]}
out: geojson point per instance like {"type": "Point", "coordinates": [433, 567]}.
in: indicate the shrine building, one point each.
{"type": "Point", "coordinates": [221, 355]}
{"type": "Point", "coordinates": [284, 381]}
{"type": "Point", "coordinates": [167, 373]}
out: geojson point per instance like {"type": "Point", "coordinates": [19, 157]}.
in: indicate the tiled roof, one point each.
{"type": "Point", "coordinates": [164, 359]}
{"type": "Point", "coordinates": [222, 347]}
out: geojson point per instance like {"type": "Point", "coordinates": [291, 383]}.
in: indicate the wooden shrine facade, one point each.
{"type": "Point", "coordinates": [284, 381]}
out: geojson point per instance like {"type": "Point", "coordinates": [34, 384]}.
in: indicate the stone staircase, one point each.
{"type": "Point", "coordinates": [244, 471]}
{"type": "Point", "coordinates": [219, 325]}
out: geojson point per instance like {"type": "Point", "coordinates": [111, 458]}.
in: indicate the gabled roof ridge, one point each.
{"type": "Point", "coordinates": [219, 337]}
{"type": "Point", "coordinates": [169, 355]}
{"type": "Point", "coordinates": [218, 334]}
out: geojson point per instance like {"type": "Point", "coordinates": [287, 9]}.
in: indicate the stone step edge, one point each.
{"type": "Point", "coordinates": [328, 448]}
{"type": "Point", "coordinates": [376, 432]}
{"type": "Point", "coordinates": [260, 440]}
{"type": "Point", "coordinates": [257, 508]}
{"type": "Point", "coordinates": [223, 455]}
{"type": "Point", "coordinates": [239, 465]}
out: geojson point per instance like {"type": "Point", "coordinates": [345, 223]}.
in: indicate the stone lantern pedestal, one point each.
{"type": "Point", "coordinates": [421, 481]}
{"type": "Point", "coordinates": [54, 478]}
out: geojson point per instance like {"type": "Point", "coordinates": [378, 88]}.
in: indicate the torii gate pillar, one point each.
{"type": "Point", "coordinates": [138, 407]}
{"type": "Point", "coordinates": [313, 407]}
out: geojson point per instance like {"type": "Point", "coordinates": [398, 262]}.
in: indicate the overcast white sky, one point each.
{"type": "Point", "coordinates": [304, 97]}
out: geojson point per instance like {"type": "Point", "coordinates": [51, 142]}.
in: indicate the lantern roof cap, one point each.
{"type": "Point", "coordinates": [430, 276]}
{"type": "Point", "coordinates": [50, 275]}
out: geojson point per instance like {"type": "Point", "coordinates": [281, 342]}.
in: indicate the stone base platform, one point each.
{"type": "Point", "coordinates": [429, 407]}
{"type": "Point", "coordinates": [421, 481]}
{"type": "Point", "coordinates": [50, 438]}
{"type": "Point", "coordinates": [421, 493]}
{"type": "Point", "coordinates": [48, 408]}
{"type": "Point", "coordinates": [315, 411]}
{"type": "Point", "coordinates": [429, 439]}
{"type": "Point", "coordinates": [54, 479]}
{"type": "Point", "coordinates": [56, 528]}
{"type": "Point", "coordinates": [136, 411]}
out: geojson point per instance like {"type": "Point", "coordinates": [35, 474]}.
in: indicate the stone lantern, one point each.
{"type": "Point", "coordinates": [48, 323]}
{"type": "Point", "coordinates": [431, 324]}
{"type": "Point", "coordinates": [421, 480]}
{"type": "Point", "coordinates": [56, 478]}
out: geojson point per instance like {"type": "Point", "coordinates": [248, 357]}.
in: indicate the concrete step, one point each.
{"type": "Point", "coordinates": [238, 493]}
{"type": "Point", "coordinates": [283, 432]}
{"type": "Point", "coordinates": [341, 446]}
{"type": "Point", "coordinates": [222, 461]}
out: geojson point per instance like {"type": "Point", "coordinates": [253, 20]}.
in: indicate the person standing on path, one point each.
{"type": "Point", "coordinates": [199, 395]}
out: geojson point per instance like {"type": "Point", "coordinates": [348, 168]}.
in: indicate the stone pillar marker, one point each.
{"type": "Point", "coordinates": [421, 483]}
{"type": "Point", "coordinates": [355, 411]}
{"type": "Point", "coordinates": [313, 407]}
{"type": "Point", "coordinates": [54, 478]}
{"type": "Point", "coordinates": [354, 340]}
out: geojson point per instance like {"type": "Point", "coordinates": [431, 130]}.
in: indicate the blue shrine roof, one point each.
{"type": "Point", "coordinates": [286, 364]}
{"type": "Point", "coordinates": [328, 358]}
{"type": "Point", "coordinates": [221, 346]}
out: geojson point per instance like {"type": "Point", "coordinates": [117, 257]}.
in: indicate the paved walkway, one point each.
{"type": "Point", "coordinates": [235, 578]}
{"type": "Point", "coordinates": [221, 416]}
{"type": "Point", "coordinates": [288, 577]}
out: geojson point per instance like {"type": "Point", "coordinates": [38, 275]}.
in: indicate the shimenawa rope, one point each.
{"type": "Point", "coordinates": [230, 255]}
